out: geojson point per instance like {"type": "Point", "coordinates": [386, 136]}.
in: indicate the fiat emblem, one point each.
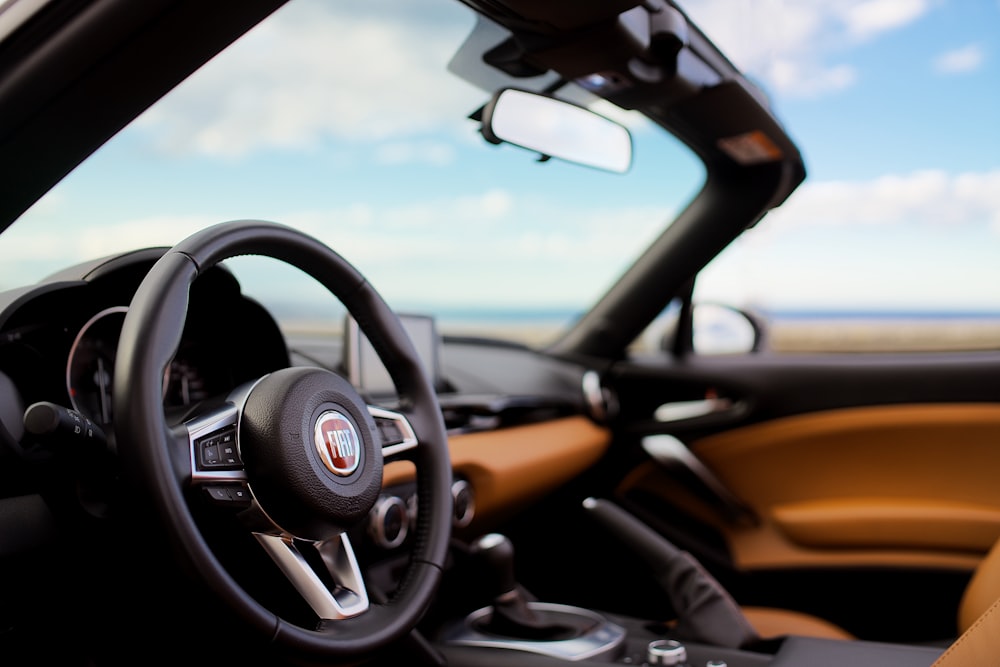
{"type": "Point", "coordinates": [337, 442]}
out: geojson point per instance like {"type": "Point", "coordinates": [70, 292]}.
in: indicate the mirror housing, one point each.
{"type": "Point", "coordinates": [556, 128]}
{"type": "Point", "coordinates": [716, 329]}
{"type": "Point", "coordinates": [723, 329]}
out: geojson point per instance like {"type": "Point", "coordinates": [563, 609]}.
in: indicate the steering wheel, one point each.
{"type": "Point", "coordinates": [298, 450]}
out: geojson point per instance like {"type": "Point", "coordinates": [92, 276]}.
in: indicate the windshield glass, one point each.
{"type": "Point", "coordinates": [348, 120]}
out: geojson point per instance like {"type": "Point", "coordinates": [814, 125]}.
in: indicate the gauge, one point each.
{"type": "Point", "coordinates": [184, 383]}
{"type": "Point", "coordinates": [91, 365]}
{"type": "Point", "coordinates": [90, 370]}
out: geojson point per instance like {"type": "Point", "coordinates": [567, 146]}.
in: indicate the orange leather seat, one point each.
{"type": "Point", "coordinates": [981, 593]}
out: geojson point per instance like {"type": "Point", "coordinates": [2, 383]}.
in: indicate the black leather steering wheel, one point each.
{"type": "Point", "coordinates": [302, 448]}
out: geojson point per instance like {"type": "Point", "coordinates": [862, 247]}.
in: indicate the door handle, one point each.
{"type": "Point", "coordinates": [670, 452]}
{"type": "Point", "coordinates": [679, 410]}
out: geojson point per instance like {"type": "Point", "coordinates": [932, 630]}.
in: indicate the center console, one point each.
{"type": "Point", "coordinates": [518, 630]}
{"type": "Point", "coordinates": [576, 633]}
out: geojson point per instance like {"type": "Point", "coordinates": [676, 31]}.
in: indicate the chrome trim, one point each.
{"type": "Point", "coordinates": [409, 436]}
{"type": "Point", "coordinates": [603, 638]}
{"type": "Point", "coordinates": [601, 402]}
{"type": "Point", "coordinates": [348, 598]}
{"type": "Point", "coordinates": [347, 446]}
{"type": "Point", "coordinates": [669, 451]}
{"type": "Point", "coordinates": [227, 415]}
{"type": "Point", "coordinates": [594, 396]}
{"type": "Point", "coordinates": [15, 13]}
{"type": "Point", "coordinates": [666, 652]}
{"type": "Point", "coordinates": [457, 487]}
{"type": "Point", "coordinates": [376, 522]}
{"type": "Point", "coordinates": [104, 419]}
{"type": "Point", "coordinates": [679, 410]}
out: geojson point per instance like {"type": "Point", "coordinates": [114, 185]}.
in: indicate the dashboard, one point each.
{"type": "Point", "coordinates": [520, 423]}
{"type": "Point", "coordinates": [58, 341]}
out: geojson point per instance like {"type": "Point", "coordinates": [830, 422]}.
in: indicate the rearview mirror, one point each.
{"type": "Point", "coordinates": [556, 128]}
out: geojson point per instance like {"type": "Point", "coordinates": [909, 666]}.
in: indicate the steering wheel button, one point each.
{"type": "Point", "coordinates": [230, 455]}
{"type": "Point", "coordinates": [210, 454]}
{"type": "Point", "coordinates": [228, 494]}
{"type": "Point", "coordinates": [219, 494]}
{"type": "Point", "coordinates": [239, 494]}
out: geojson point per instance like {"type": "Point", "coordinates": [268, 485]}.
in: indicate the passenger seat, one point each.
{"type": "Point", "coordinates": [980, 594]}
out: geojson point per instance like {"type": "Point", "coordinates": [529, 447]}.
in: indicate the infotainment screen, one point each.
{"type": "Point", "coordinates": [364, 368]}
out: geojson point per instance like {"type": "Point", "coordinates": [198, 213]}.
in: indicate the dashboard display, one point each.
{"type": "Point", "coordinates": [367, 372]}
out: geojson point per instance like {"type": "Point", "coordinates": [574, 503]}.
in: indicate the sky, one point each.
{"type": "Point", "coordinates": [894, 103]}
{"type": "Point", "coordinates": [896, 107]}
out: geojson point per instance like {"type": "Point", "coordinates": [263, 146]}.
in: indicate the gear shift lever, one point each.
{"type": "Point", "coordinates": [496, 553]}
{"type": "Point", "coordinates": [516, 621]}
{"type": "Point", "coordinates": [512, 616]}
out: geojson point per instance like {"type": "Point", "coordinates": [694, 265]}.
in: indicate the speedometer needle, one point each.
{"type": "Point", "coordinates": [102, 388]}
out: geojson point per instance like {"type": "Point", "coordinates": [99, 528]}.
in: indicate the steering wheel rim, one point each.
{"type": "Point", "coordinates": [161, 459]}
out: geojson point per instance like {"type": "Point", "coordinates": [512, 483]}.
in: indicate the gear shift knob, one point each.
{"type": "Point", "coordinates": [511, 613]}
{"type": "Point", "coordinates": [496, 552]}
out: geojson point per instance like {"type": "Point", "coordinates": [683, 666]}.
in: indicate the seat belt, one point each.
{"type": "Point", "coordinates": [977, 646]}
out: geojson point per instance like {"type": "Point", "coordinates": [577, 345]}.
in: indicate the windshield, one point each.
{"type": "Point", "coordinates": [348, 120]}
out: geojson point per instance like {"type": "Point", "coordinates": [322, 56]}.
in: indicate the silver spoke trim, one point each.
{"type": "Point", "coordinates": [216, 420]}
{"type": "Point", "coordinates": [348, 596]}
{"type": "Point", "coordinates": [405, 430]}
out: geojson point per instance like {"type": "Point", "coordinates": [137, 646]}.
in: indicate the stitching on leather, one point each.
{"type": "Point", "coordinates": [965, 635]}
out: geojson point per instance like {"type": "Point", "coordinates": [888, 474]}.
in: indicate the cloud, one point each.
{"type": "Point", "coordinates": [38, 245]}
{"type": "Point", "coordinates": [268, 90]}
{"type": "Point", "coordinates": [930, 197]}
{"type": "Point", "coordinates": [919, 240]}
{"type": "Point", "coordinates": [958, 61]}
{"type": "Point", "coordinates": [869, 18]}
{"type": "Point", "coordinates": [792, 45]}
{"type": "Point", "coordinates": [807, 79]}
{"type": "Point", "coordinates": [434, 153]}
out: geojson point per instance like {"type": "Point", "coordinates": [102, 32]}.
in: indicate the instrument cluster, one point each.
{"type": "Point", "coordinates": [59, 344]}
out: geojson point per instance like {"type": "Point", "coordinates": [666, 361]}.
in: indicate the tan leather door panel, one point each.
{"type": "Point", "coordinates": [888, 485]}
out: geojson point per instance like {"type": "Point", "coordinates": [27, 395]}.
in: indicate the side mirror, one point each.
{"type": "Point", "coordinates": [720, 329]}
{"type": "Point", "coordinates": [555, 128]}
{"type": "Point", "coordinates": [716, 329]}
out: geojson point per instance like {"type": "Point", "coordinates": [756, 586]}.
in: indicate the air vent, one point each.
{"type": "Point", "coordinates": [601, 401]}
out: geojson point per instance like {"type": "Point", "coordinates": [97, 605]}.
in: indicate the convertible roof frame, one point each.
{"type": "Point", "coordinates": [659, 63]}
{"type": "Point", "coordinates": [124, 56]}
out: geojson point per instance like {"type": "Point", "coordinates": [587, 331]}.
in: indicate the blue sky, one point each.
{"type": "Point", "coordinates": [895, 104]}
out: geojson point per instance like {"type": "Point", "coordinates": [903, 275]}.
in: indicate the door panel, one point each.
{"type": "Point", "coordinates": [847, 463]}
{"type": "Point", "coordinates": [918, 478]}
{"type": "Point", "coordinates": [863, 456]}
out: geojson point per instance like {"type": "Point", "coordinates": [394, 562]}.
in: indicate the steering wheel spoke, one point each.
{"type": "Point", "coordinates": [396, 431]}
{"type": "Point", "coordinates": [326, 574]}
{"type": "Point", "coordinates": [213, 447]}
